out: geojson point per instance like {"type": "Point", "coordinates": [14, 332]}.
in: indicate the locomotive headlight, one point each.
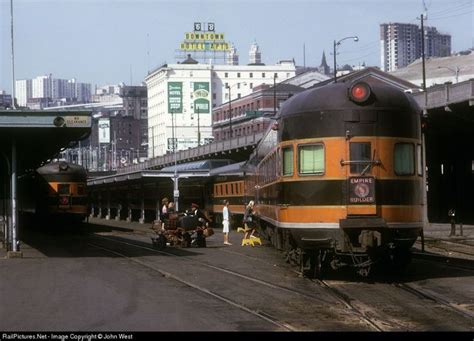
{"type": "Point", "coordinates": [360, 92]}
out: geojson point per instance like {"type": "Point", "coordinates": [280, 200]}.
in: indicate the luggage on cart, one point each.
{"type": "Point", "coordinates": [189, 222]}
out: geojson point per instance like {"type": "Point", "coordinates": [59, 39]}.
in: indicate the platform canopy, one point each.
{"type": "Point", "coordinates": [39, 135]}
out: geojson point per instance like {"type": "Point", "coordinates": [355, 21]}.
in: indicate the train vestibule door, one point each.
{"type": "Point", "coordinates": [361, 173]}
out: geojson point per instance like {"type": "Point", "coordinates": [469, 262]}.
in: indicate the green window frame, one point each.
{"type": "Point", "coordinates": [64, 189]}
{"type": "Point", "coordinates": [404, 159]}
{"type": "Point", "coordinates": [287, 164]}
{"type": "Point", "coordinates": [311, 159]}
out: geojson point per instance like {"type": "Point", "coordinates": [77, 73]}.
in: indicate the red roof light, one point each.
{"type": "Point", "coordinates": [360, 92]}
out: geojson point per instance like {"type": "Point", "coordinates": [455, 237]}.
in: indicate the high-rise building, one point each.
{"type": "Point", "coordinates": [401, 44]}
{"type": "Point", "coordinates": [23, 91]}
{"type": "Point", "coordinates": [437, 44]}
{"type": "Point", "coordinates": [48, 91]}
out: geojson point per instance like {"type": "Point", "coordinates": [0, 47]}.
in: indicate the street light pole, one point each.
{"type": "Point", "coordinates": [175, 176]}
{"type": "Point", "coordinates": [356, 39]}
{"type": "Point", "coordinates": [230, 112]}
{"type": "Point", "coordinates": [230, 104]}
{"type": "Point", "coordinates": [199, 129]}
{"type": "Point", "coordinates": [455, 71]}
{"type": "Point", "coordinates": [423, 53]}
{"type": "Point", "coordinates": [274, 94]}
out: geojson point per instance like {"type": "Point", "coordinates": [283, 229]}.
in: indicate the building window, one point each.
{"type": "Point", "coordinates": [251, 85]}
{"type": "Point", "coordinates": [226, 75]}
{"type": "Point", "coordinates": [251, 75]}
{"type": "Point", "coordinates": [238, 74]}
{"type": "Point", "coordinates": [275, 75]}
{"type": "Point", "coordinates": [263, 74]}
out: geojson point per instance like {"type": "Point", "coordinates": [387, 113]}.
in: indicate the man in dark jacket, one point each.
{"type": "Point", "coordinates": [203, 222]}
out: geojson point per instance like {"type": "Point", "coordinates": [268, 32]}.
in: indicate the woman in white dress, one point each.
{"type": "Point", "coordinates": [225, 222]}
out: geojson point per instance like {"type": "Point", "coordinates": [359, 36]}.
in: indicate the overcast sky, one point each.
{"type": "Point", "coordinates": [109, 41]}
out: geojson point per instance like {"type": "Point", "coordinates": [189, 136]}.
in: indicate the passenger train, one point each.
{"type": "Point", "coordinates": [55, 192]}
{"type": "Point", "coordinates": [338, 179]}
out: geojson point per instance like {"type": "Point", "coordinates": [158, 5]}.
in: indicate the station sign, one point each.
{"type": "Point", "coordinates": [77, 121]}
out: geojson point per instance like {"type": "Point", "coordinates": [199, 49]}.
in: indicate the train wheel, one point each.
{"type": "Point", "coordinates": [317, 264]}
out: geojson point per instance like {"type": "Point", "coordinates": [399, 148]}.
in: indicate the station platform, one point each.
{"type": "Point", "coordinates": [437, 239]}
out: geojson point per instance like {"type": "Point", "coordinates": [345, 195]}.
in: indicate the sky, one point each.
{"type": "Point", "coordinates": [111, 41]}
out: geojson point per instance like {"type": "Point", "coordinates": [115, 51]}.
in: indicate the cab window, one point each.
{"type": "Point", "coordinates": [360, 156]}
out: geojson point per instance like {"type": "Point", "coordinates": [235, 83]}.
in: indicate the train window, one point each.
{"type": "Point", "coordinates": [63, 189]}
{"type": "Point", "coordinates": [360, 152]}
{"type": "Point", "coordinates": [404, 159]}
{"type": "Point", "coordinates": [311, 159]}
{"type": "Point", "coordinates": [80, 190]}
{"type": "Point", "coordinates": [287, 160]}
{"type": "Point", "coordinates": [419, 158]}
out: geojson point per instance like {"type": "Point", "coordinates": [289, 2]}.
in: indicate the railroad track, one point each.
{"type": "Point", "coordinates": [455, 257]}
{"type": "Point", "coordinates": [373, 323]}
{"type": "Point", "coordinates": [365, 312]}
{"type": "Point", "coordinates": [260, 314]}
{"type": "Point", "coordinates": [434, 297]}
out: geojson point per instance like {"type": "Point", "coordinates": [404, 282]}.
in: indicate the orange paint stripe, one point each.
{"type": "Point", "coordinates": [332, 214]}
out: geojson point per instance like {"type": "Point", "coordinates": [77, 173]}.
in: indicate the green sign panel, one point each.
{"type": "Point", "coordinates": [175, 97]}
{"type": "Point", "coordinates": [201, 97]}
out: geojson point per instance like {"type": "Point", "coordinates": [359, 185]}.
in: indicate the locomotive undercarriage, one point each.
{"type": "Point", "coordinates": [360, 249]}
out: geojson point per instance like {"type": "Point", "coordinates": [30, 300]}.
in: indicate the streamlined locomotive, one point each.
{"type": "Point", "coordinates": [56, 191]}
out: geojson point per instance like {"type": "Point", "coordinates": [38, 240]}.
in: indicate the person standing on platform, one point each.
{"type": "Point", "coordinates": [226, 222]}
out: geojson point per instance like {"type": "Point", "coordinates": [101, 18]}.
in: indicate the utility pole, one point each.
{"type": "Point", "coordinates": [114, 151]}
{"type": "Point", "coordinates": [274, 94]}
{"type": "Point", "coordinates": [423, 53]}
{"type": "Point", "coordinates": [176, 191]}
{"type": "Point", "coordinates": [230, 113]}
{"type": "Point", "coordinates": [199, 129]}
{"type": "Point", "coordinates": [13, 57]}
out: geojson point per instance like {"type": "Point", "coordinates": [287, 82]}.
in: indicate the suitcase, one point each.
{"type": "Point", "coordinates": [189, 223]}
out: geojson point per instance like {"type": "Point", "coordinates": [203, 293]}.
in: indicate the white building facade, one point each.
{"type": "Point", "coordinates": [51, 89]}
{"type": "Point", "coordinates": [189, 91]}
{"type": "Point", "coordinates": [23, 91]}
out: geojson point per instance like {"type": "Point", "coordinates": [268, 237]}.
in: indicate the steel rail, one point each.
{"type": "Point", "coordinates": [260, 314]}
